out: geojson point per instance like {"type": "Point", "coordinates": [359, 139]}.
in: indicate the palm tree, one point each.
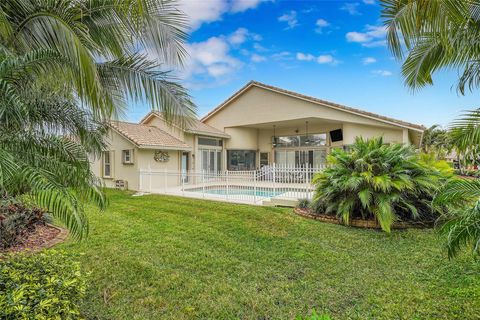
{"type": "Point", "coordinates": [435, 140]}
{"type": "Point", "coordinates": [66, 67]}
{"type": "Point", "coordinates": [462, 219]}
{"type": "Point", "coordinates": [436, 34]}
{"type": "Point", "coordinates": [45, 141]}
{"type": "Point", "coordinates": [444, 34]}
{"type": "Point", "coordinates": [105, 43]}
{"type": "Point", "coordinates": [378, 181]}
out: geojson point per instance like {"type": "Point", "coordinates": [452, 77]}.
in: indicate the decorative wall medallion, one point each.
{"type": "Point", "coordinates": [161, 156]}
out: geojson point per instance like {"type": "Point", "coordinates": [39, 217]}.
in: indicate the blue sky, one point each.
{"type": "Point", "coordinates": [333, 50]}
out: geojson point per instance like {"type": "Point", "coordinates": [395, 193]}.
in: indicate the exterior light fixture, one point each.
{"type": "Point", "coordinates": [274, 139]}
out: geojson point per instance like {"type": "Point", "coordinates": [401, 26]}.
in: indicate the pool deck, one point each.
{"type": "Point", "coordinates": [287, 193]}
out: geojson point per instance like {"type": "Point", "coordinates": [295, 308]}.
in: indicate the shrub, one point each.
{"type": "Point", "coordinates": [303, 203]}
{"type": "Point", "coordinates": [15, 220]}
{"type": "Point", "coordinates": [379, 181]}
{"type": "Point", "coordinates": [46, 285]}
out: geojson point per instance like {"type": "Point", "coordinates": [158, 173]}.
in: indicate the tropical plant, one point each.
{"type": "Point", "coordinates": [105, 43]}
{"type": "Point", "coordinates": [379, 181]}
{"type": "Point", "coordinates": [462, 219]}
{"type": "Point", "coordinates": [436, 140]}
{"type": "Point", "coordinates": [46, 285]}
{"type": "Point", "coordinates": [437, 34]}
{"type": "Point", "coordinates": [66, 67]}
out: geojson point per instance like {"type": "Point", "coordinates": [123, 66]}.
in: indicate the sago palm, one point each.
{"type": "Point", "coordinates": [378, 181]}
{"type": "Point", "coordinates": [436, 34]}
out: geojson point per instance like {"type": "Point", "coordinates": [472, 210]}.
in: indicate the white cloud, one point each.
{"type": "Point", "coordinates": [370, 38]}
{"type": "Point", "coordinates": [369, 1]}
{"type": "Point", "coordinates": [305, 57]}
{"type": "Point", "coordinates": [284, 55]}
{"type": "Point", "coordinates": [259, 47]}
{"type": "Point", "coordinates": [200, 12]}
{"type": "Point", "coordinates": [383, 73]}
{"type": "Point", "coordinates": [242, 5]}
{"type": "Point", "coordinates": [257, 37]}
{"type": "Point", "coordinates": [368, 60]}
{"type": "Point", "coordinates": [257, 58]}
{"type": "Point", "coordinates": [351, 8]}
{"type": "Point", "coordinates": [325, 59]}
{"type": "Point", "coordinates": [239, 36]}
{"type": "Point", "coordinates": [321, 59]}
{"type": "Point", "coordinates": [354, 36]}
{"type": "Point", "coordinates": [321, 23]}
{"type": "Point", "coordinates": [290, 18]}
{"type": "Point", "coordinates": [211, 57]}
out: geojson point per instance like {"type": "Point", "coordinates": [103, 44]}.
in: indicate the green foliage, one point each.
{"type": "Point", "coordinates": [436, 34]}
{"type": "Point", "coordinates": [379, 181]}
{"type": "Point", "coordinates": [15, 219]}
{"type": "Point", "coordinates": [45, 285]}
{"type": "Point", "coordinates": [68, 67]}
{"type": "Point", "coordinates": [461, 222]}
{"type": "Point", "coordinates": [98, 46]}
{"type": "Point", "coordinates": [303, 203]}
{"type": "Point", "coordinates": [314, 316]}
{"type": "Point", "coordinates": [436, 141]}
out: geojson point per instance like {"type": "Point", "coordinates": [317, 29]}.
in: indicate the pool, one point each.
{"type": "Point", "coordinates": [239, 191]}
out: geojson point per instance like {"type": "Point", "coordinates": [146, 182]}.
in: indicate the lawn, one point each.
{"type": "Point", "coordinates": [160, 257]}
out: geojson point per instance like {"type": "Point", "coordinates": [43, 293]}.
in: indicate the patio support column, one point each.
{"type": "Point", "coordinates": [405, 138]}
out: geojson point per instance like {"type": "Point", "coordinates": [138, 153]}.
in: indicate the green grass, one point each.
{"type": "Point", "coordinates": [159, 257]}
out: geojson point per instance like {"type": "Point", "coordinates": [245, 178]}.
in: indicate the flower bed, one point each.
{"type": "Point", "coordinates": [359, 223]}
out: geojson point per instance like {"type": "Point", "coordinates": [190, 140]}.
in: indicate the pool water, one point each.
{"type": "Point", "coordinates": [263, 193]}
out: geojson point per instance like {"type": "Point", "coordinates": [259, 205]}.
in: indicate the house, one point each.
{"type": "Point", "coordinates": [257, 126]}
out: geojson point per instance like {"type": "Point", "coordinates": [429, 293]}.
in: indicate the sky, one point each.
{"type": "Point", "coordinates": [332, 50]}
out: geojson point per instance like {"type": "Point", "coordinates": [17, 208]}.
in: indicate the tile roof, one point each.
{"type": "Point", "coordinates": [193, 126]}
{"type": "Point", "coordinates": [148, 136]}
{"type": "Point", "coordinates": [314, 100]}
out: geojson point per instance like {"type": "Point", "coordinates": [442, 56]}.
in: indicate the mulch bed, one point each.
{"type": "Point", "coordinates": [44, 236]}
{"type": "Point", "coordinates": [358, 223]}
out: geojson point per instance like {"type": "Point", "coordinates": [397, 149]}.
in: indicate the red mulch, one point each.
{"type": "Point", "coordinates": [41, 237]}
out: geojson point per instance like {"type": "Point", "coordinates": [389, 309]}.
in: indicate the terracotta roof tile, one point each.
{"type": "Point", "coordinates": [148, 136]}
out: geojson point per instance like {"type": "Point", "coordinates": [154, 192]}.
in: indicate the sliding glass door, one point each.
{"type": "Point", "coordinates": [301, 158]}
{"type": "Point", "coordinates": [211, 160]}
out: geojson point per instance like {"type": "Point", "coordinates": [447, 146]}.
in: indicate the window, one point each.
{"type": "Point", "coordinates": [107, 164]}
{"type": "Point", "coordinates": [312, 140]}
{"type": "Point", "coordinates": [241, 160]}
{"type": "Point", "coordinates": [300, 158]}
{"type": "Point", "coordinates": [127, 156]}
{"type": "Point", "coordinates": [212, 142]}
{"type": "Point", "coordinates": [263, 159]}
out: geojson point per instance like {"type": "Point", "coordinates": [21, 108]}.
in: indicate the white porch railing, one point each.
{"type": "Point", "coordinates": [269, 182]}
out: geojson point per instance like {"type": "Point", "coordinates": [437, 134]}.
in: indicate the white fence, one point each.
{"type": "Point", "coordinates": [256, 186]}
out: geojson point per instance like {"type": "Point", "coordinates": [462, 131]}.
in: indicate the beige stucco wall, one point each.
{"type": "Point", "coordinates": [129, 172]}
{"type": "Point", "coordinates": [353, 130]}
{"type": "Point", "coordinates": [258, 105]}
{"type": "Point", "coordinates": [142, 160]}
